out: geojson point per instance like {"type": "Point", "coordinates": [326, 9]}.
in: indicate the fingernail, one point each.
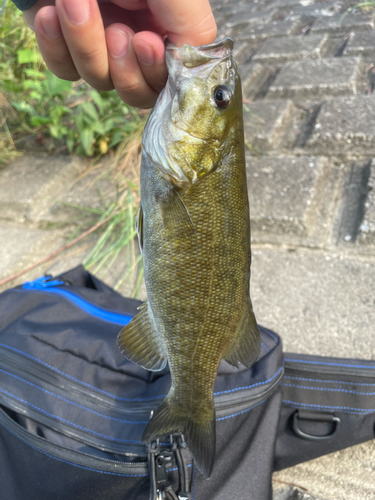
{"type": "Point", "coordinates": [51, 25]}
{"type": "Point", "coordinates": [145, 54]}
{"type": "Point", "coordinates": [117, 42]}
{"type": "Point", "coordinates": [78, 11]}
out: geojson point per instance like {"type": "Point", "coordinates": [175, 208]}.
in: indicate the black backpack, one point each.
{"type": "Point", "coordinates": [73, 409]}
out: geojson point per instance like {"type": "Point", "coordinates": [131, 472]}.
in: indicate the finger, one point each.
{"type": "Point", "coordinates": [125, 71]}
{"type": "Point", "coordinates": [129, 4]}
{"type": "Point", "coordinates": [52, 45]}
{"type": "Point", "coordinates": [150, 52]}
{"type": "Point", "coordinates": [189, 22]}
{"type": "Point", "coordinates": [30, 14]}
{"type": "Point", "coordinates": [83, 31]}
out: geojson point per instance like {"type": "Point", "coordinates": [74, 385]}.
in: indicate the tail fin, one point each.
{"type": "Point", "coordinates": [200, 436]}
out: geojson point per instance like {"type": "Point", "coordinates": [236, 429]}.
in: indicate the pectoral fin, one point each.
{"type": "Point", "coordinates": [140, 342]}
{"type": "Point", "coordinates": [246, 345]}
{"type": "Point", "coordinates": [175, 216]}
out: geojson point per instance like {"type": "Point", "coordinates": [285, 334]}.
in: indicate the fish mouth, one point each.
{"type": "Point", "coordinates": [181, 61]}
{"type": "Point", "coordinates": [190, 56]}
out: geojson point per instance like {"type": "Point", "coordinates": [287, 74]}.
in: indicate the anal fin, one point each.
{"type": "Point", "coordinates": [139, 342]}
{"type": "Point", "coordinates": [246, 345]}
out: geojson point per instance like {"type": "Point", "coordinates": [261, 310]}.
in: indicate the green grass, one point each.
{"type": "Point", "coordinates": [368, 6]}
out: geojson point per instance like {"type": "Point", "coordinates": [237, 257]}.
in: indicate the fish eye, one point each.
{"type": "Point", "coordinates": [222, 96]}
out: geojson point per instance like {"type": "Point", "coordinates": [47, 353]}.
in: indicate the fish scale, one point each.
{"type": "Point", "coordinates": [195, 239]}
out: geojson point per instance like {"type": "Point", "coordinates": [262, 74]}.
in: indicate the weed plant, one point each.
{"type": "Point", "coordinates": [85, 121]}
{"type": "Point", "coordinates": [62, 115]}
{"type": "Point", "coordinates": [367, 6]}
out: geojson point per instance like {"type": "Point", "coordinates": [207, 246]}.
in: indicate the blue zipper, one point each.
{"type": "Point", "coordinates": [46, 285]}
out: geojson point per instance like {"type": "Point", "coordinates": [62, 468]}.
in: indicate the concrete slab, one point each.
{"type": "Point", "coordinates": [30, 184]}
{"type": "Point", "coordinates": [345, 475]}
{"type": "Point", "coordinates": [20, 247]}
{"type": "Point", "coordinates": [93, 191]}
{"type": "Point", "coordinates": [320, 303]}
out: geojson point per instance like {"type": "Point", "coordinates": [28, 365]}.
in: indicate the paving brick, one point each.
{"type": "Point", "coordinates": [335, 23]}
{"type": "Point", "coordinates": [21, 247]}
{"type": "Point", "coordinates": [242, 52]}
{"type": "Point", "coordinates": [291, 3]}
{"type": "Point", "coordinates": [315, 11]}
{"type": "Point", "coordinates": [351, 198]}
{"type": "Point", "coordinates": [345, 125]}
{"type": "Point", "coordinates": [362, 43]}
{"type": "Point", "coordinates": [242, 19]}
{"type": "Point", "coordinates": [265, 123]}
{"type": "Point", "coordinates": [29, 185]}
{"type": "Point", "coordinates": [316, 78]}
{"type": "Point", "coordinates": [290, 199]}
{"type": "Point", "coordinates": [253, 76]}
{"type": "Point", "coordinates": [292, 48]}
{"type": "Point", "coordinates": [367, 228]}
{"type": "Point", "coordinates": [272, 29]}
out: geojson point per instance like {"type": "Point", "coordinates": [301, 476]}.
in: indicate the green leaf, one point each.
{"type": "Point", "coordinates": [116, 138]}
{"type": "Point", "coordinates": [80, 151]}
{"type": "Point", "coordinates": [36, 96]}
{"type": "Point", "coordinates": [87, 139]}
{"type": "Point", "coordinates": [11, 86]}
{"type": "Point", "coordinates": [89, 109]}
{"type": "Point", "coordinates": [109, 124]}
{"type": "Point", "coordinates": [80, 123]}
{"type": "Point", "coordinates": [70, 144]}
{"type": "Point", "coordinates": [28, 56]}
{"type": "Point", "coordinates": [36, 121]}
{"type": "Point", "coordinates": [24, 107]}
{"type": "Point", "coordinates": [33, 73]}
{"type": "Point", "coordinates": [55, 131]}
{"type": "Point", "coordinates": [57, 112]}
{"type": "Point", "coordinates": [31, 84]}
{"type": "Point", "coordinates": [98, 100]}
{"type": "Point", "coordinates": [98, 128]}
{"type": "Point", "coordinates": [54, 85]}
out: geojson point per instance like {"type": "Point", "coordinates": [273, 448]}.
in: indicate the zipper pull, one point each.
{"type": "Point", "coordinates": [41, 283]}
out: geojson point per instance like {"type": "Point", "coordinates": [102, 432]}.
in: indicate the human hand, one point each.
{"type": "Point", "coordinates": [118, 43]}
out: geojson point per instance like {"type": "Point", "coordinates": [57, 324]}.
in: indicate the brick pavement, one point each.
{"type": "Point", "coordinates": [308, 81]}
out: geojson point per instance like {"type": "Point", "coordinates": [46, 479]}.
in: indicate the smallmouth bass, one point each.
{"type": "Point", "coordinates": [194, 232]}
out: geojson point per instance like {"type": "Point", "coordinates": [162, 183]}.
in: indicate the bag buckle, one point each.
{"type": "Point", "coordinates": [315, 416]}
{"type": "Point", "coordinates": [159, 459]}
